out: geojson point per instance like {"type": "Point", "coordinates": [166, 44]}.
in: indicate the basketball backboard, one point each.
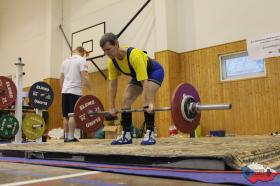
{"type": "Point", "coordinates": [89, 39]}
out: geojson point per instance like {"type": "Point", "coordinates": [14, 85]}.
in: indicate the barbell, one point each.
{"type": "Point", "coordinates": [185, 108]}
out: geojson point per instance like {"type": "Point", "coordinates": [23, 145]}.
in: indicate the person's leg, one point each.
{"type": "Point", "coordinates": [149, 138]}
{"type": "Point", "coordinates": [149, 117]}
{"type": "Point", "coordinates": [65, 115]}
{"type": "Point", "coordinates": [132, 91]}
{"type": "Point", "coordinates": [155, 79]}
{"type": "Point", "coordinates": [66, 127]}
{"type": "Point", "coordinates": [72, 123]}
{"type": "Point", "coordinates": [72, 127]}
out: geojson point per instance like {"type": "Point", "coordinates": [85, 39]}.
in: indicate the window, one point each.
{"type": "Point", "coordinates": [236, 66]}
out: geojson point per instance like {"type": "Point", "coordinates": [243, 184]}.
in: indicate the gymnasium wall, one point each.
{"type": "Point", "coordinates": [23, 34]}
{"type": "Point", "coordinates": [176, 25]}
{"type": "Point", "coordinates": [116, 14]}
{"type": "Point", "coordinates": [206, 23]}
{"type": "Point", "coordinates": [55, 119]}
{"type": "Point", "coordinates": [29, 29]}
{"type": "Point", "coordinates": [255, 101]}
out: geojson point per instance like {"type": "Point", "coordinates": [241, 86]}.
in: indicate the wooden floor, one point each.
{"type": "Point", "coordinates": [31, 175]}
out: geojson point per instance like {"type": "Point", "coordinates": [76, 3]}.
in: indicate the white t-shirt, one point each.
{"type": "Point", "coordinates": [71, 68]}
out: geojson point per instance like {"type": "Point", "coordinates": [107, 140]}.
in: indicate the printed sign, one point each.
{"type": "Point", "coordinates": [264, 47]}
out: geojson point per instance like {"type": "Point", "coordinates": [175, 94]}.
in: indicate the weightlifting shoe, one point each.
{"type": "Point", "coordinates": [149, 138]}
{"type": "Point", "coordinates": [123, 139]}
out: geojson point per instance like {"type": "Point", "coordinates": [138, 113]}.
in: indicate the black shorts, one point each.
{"type": "Point", "coordinates": [68, 103]}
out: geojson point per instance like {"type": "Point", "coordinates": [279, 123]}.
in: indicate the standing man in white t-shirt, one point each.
{"type": "Point", "coordinates": [73, 75]}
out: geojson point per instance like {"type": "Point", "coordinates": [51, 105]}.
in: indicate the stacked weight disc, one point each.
{"type": "Point", "coordinates": [33, 126]}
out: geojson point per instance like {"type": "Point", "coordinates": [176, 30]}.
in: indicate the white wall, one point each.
{"type": "Point", "coordinates": [23, 34]}
{"type": "Point", "coordinates": [29, 28]}
{"type": "Point", "coordinates": [214, 22]}
{"type": "Point", "coordinates": [172, 22]}
{"type": "Point", "coordinates": [54, 37]}
{"type": "Point", "coordinates": [186, 36]}
{"type": "Point", "coordinates": [26, 31]}
{"type": "Point", "coordinates": [166, 25]}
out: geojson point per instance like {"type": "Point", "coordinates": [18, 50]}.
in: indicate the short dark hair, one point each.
{"type": "Point", "coordinates": [108, 37]}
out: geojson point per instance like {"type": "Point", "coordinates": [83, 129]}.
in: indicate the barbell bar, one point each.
{"type": "Point", "coordinates": [185, 108]}
{"type": "Point", "coordinates": [92, 113]}
{"type": "Point", "coordinates": [195, 107]}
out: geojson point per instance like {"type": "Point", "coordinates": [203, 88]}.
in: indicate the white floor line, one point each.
{"type": "Point", "coordinates": [49, 179]}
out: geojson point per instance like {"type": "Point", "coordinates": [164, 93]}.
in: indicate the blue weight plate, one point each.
{"type": "Point", "coordinates": [40, 95]}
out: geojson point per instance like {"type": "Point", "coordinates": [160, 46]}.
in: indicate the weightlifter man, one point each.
{"type": "Point", "coordinates": [146, 76]}
{"type": "Point", "coordinates": [73, 75]}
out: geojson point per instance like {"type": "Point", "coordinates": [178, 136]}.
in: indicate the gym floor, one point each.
{"type": "Point", "coordinates": [25, 174]}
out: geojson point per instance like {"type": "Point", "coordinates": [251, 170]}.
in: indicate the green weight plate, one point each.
{"type": "Point", "coordinates": [33, 126]}
{"type": "Point", "coordinates": [8, 126]}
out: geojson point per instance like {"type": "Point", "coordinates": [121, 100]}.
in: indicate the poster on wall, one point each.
{"type": "Point", "coordinates": [263, 47]}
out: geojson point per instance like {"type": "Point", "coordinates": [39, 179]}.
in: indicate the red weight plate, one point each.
{"type": "Point", "coordinates": [83, 106]}
{"type": "Point", "coordinates": [8, 92]}
{"type": "Point", "coordinates": [182, 124]}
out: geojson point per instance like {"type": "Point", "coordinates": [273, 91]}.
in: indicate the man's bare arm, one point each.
{"type": "Point", "coordinates": [113, 85]}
